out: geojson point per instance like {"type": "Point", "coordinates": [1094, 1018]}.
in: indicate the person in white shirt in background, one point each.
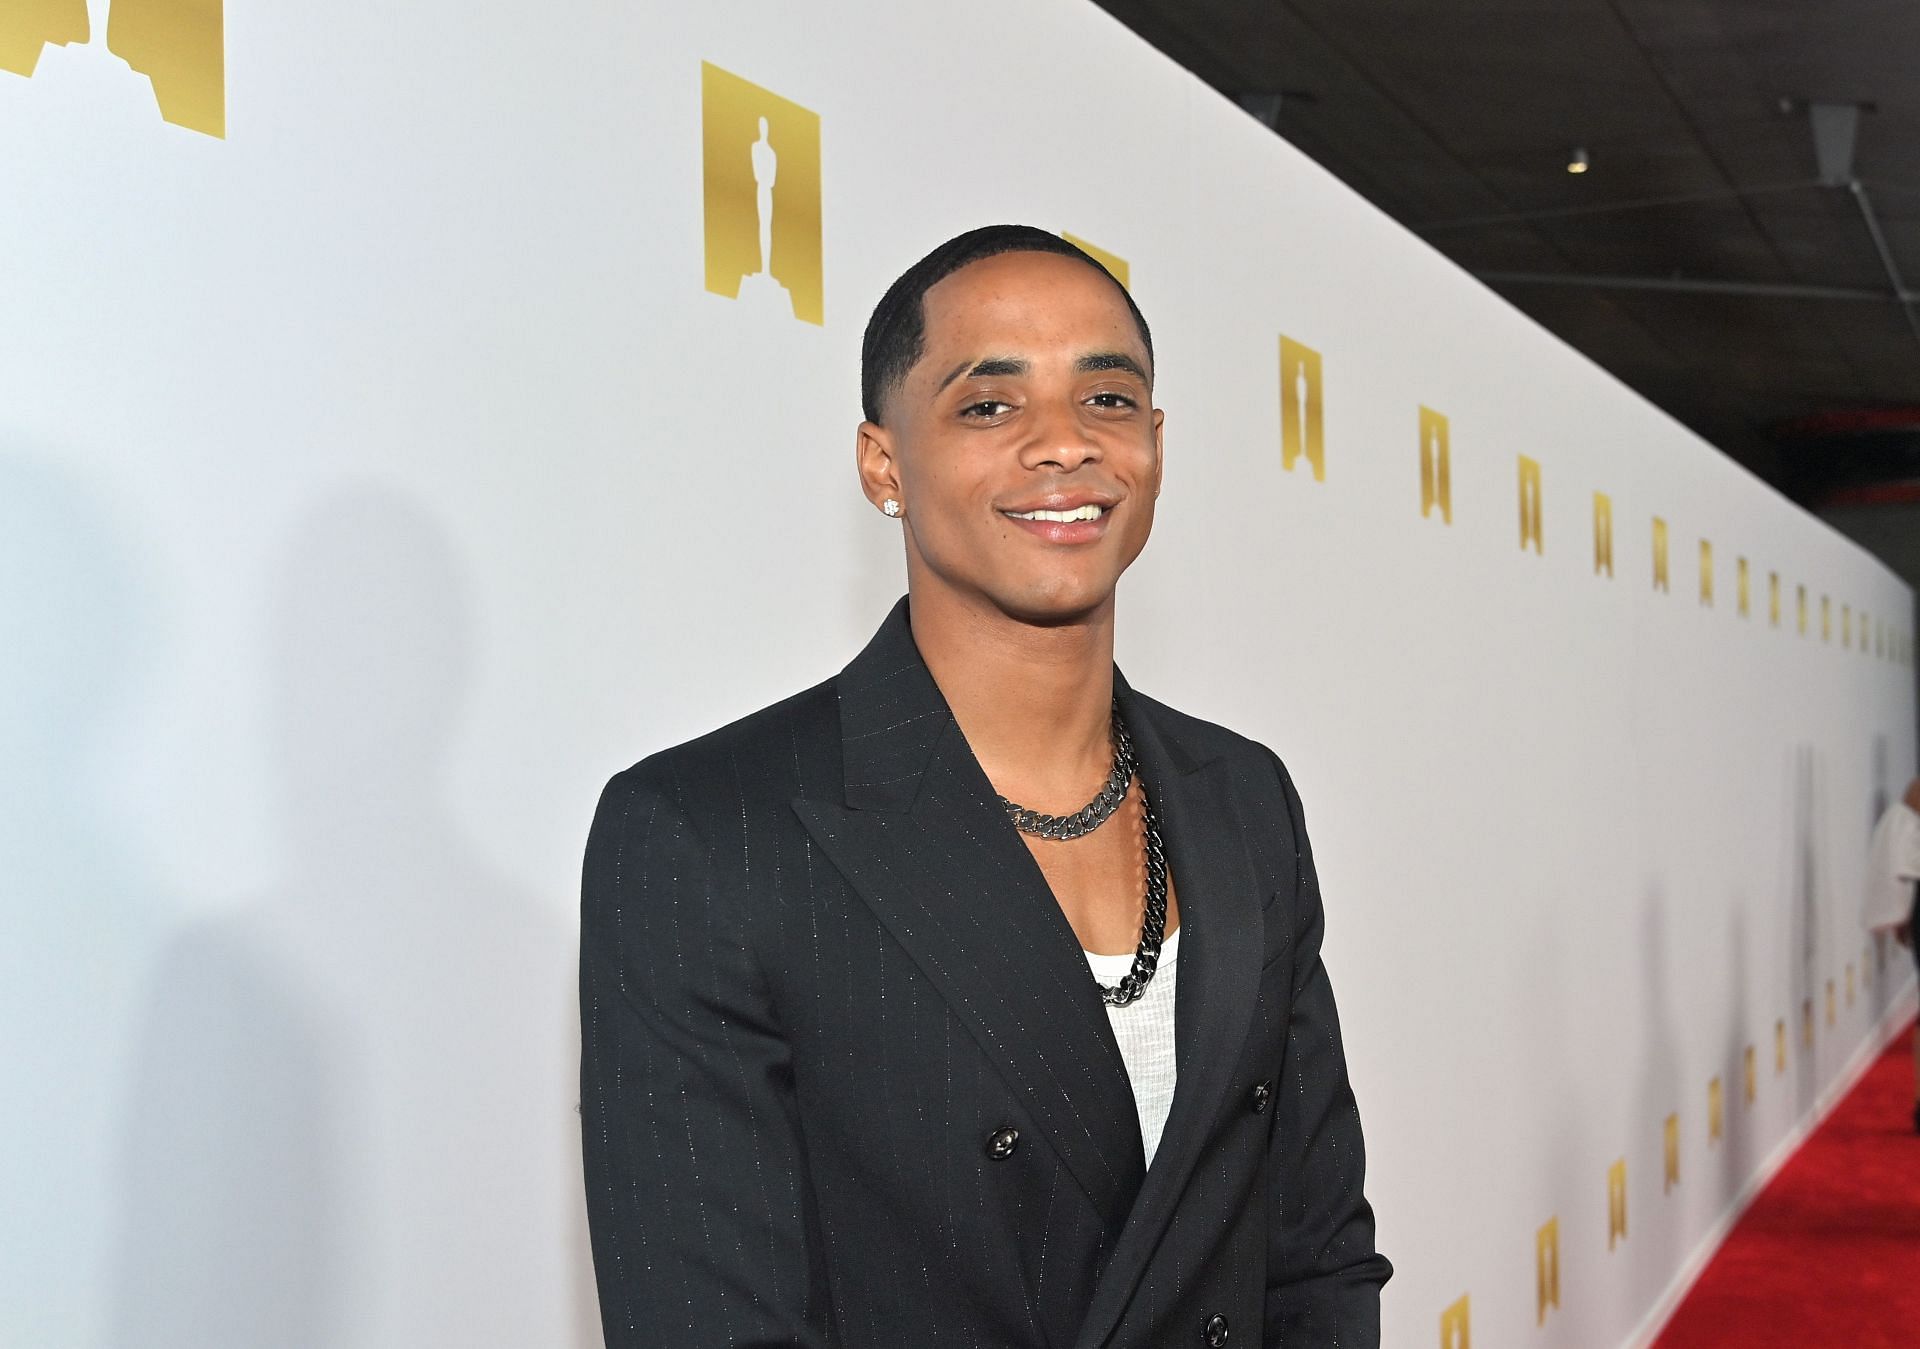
{"type": "Point", "coordinates": [1893, 903]}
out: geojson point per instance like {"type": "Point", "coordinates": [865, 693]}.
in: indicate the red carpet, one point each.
{"type": "Point", "coordinates": [1829, 1253]}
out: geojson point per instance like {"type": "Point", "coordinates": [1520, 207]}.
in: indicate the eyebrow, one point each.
{"type": "Point", "coordinates": [1015, 366]}
{"type": "Point", "coordinates": [1010, 366]}
{"type": "Point", "coordinates": [1108, 360]}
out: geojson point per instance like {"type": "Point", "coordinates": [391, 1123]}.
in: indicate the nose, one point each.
{"type": "Point", "coordinates": [1060, 438]}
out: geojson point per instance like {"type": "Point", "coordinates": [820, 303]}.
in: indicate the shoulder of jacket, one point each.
{"type": "Point", "coordinates": [758, 747]}
{"type": "Point", "coordinates": [1208, 739]}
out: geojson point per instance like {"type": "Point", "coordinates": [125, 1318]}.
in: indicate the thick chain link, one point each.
{"type": "Point", "coordinates": [1153, 925]}
{"type": "Point", "coordinates": [1097, 811]}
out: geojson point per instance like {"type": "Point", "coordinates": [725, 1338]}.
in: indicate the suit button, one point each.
{"type": "Point", "coordinates": [1216, 1330]}
{"type": "Point", "coordinates": [1260, 1097]}
{"type": "Point", "coordinates": [1001, 1143]}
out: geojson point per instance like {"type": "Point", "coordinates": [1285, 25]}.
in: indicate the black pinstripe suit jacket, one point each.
{"type": "Point", "coordinates": [819, 969]}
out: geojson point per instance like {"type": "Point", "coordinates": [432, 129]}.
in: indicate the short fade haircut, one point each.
{"type": "Point", "coordinates": [896, 335]}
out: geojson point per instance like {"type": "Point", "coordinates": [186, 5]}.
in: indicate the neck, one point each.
{"type": "Point", "coordinates": [1034, 702]}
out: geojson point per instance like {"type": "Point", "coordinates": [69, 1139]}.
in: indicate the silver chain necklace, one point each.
{"type": "Point", "coordinates": [1153, 926]}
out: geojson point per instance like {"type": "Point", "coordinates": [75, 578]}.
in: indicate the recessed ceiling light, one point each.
{"type": "Point", "coordinates": [1577, 161]}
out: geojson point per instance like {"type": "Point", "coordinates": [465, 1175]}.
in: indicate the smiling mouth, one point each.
{"type": "Point", "coordinates": [1086, 512]}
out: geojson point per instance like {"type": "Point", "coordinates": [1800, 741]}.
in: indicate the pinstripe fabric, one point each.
{"type": "Point", "coordinates": [819, 969]}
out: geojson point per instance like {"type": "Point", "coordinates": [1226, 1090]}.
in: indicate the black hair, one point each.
{"type": "Point", "coordinates": [897, 332]}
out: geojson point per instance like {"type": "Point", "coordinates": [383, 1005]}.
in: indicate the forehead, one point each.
{"type": "Point", "coordinates": [1017, 303]}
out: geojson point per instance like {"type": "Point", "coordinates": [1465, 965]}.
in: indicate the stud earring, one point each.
{"type": "Point", "coordinates": [891, 507]}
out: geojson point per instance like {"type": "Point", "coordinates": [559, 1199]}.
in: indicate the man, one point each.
{"type": "Point", "coordinates": [1893, 900]}
{"type": "Point", "coordinates": [851, 1075]}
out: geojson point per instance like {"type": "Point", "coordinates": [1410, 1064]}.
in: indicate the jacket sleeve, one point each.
{"type": "Point", "coordinates": [698, 1201]}
{"type": "Point", "coordinates": [1323, 1274]}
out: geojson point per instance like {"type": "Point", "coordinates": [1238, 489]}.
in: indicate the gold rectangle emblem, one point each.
{"type": "Point", "coordinates": [1546, 1259]}
{"type": "Point", "coordinates": [1773, 598]}
{"type": "Point", "coordinates": [1806, 1023]}
{"type": "Point", "coordinates": [1801, 593]}
{"type": "Point", "coordinates": [1826, 619]}
{"type": "Point", "coordinates": [1673, 1154]}
{"type": "Point", "coordinates": [1455, 1328]}
{"type": "Point", "coordinates": [1530, 507]}
{"type": "Point", "coordinates": [1706, 573]}
{"type": "Point", "coordinates": [1779, 1047]}
{"type": "Point", "coordinates": [1113, 262]}
{"type": "Point", "coordinates": [1746, 590]}
{"type": "Point", "coordinates": [175, 48]}
{"type": "Point", "coordinates": [1602, 533]}
{"type": "Point", "coordinates": [1616, 1203]}
{"type": "Point", "coordinates": [1753, 1084]}
{"type": "Point", "coordinates": [1436, 481]}
{"type": "Point", "coordinates": [1302, 425]}
{"type": "Point", "coordinates": [761, 160]}
{"type": "Point", "coordinates": [1716, 1112]}
{"type": "Point", "coordinates": [1660, 554]}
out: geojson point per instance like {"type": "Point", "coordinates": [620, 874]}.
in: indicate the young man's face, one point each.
{"type": "Point", "coordinates": [1033, 393]}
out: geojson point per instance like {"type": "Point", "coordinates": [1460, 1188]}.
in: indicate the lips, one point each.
{"type": "Point", "coordinates": [1061, 518]}
{"type": "Point", "coordinates": [1063, 502]}
{"type": "Point", "coordinates": [1090, 511]}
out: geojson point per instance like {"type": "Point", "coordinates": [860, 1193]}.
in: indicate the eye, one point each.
{"type": "Point", "coordinates": [1107, 398]}
{"type": "Point", "coordinates": [985, 408]}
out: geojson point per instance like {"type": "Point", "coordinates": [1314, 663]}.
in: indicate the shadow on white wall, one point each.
{"type": "Point", "coordinates": [352, 1111]}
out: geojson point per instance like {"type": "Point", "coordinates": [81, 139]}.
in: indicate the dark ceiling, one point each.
{"type": "Point", "coordinates": [1701, 258]}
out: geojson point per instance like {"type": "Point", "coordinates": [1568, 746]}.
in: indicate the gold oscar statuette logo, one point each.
{"type": "Point", "coordinates": [1660, 554]}
{"type": "Point", "coordinates": [761, 155]}
{"type": "Point", "coordinates": [1753, 1083]}
{"type": "Point", "coordinates": [1826, 619]}
{"type": "Point", "coordinates": [1530, 508]}
{"type": "Point", "coordinates": [1546, 1261]}
{"type": "Point", "coordinates": [1806, 1023]}
{"type": "Point", "coordinates": [1616, 1203]}
{"type": "Point", "coordinates": [180, 46]}
{"type": "Point", "coordinates": [1706, 573]}
{"type": "Point", "coordinates": [1779, 1047]}
{"type": "Point", "coordinates": [1602, 534]}
{"type": "Point", "coordinates": [1436, 474]}
{"type": "Point", "coordinates": [1302, 421]}
{"type": "Point", "coordinates": [1113, 262]}
{"type": "Point", "coordinates": [1673, 1155]}
{"type": "Point", "coordinates": [1455, 1328]}
{"type": "Point", "coordinates": [1716, 1112]}
{"type": "Point", "coordinates": [1773, 598]}
{"type": "Point", "coordinates": [1800, 592]}
{"type": "Point", "coordinates": [1746, 588]}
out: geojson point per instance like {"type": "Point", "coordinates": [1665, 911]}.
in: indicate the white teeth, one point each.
{"type": "Point", "coordinates": [1087, 512]}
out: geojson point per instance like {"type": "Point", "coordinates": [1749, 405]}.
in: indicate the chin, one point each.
{"type": "Point", "coordinates": [1058, 600]}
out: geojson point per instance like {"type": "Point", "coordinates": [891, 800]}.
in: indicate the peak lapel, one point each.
{"type": "Point", "coordinates": [1219, 974]}
{"type": "Point", "coordinates": [925, 844]}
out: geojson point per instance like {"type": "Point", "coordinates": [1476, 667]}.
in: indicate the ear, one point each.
{"type": "Point", "coordinates": [1159, 447]}
{"type": "Point", "coordinates": [874, 461]}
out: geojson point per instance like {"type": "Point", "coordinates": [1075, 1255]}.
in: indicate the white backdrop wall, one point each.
{"type": "Point", "coordinates": [377, 480]}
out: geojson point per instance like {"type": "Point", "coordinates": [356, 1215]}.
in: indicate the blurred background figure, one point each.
{"type": "Point", "coordinates": [1893, 901]}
